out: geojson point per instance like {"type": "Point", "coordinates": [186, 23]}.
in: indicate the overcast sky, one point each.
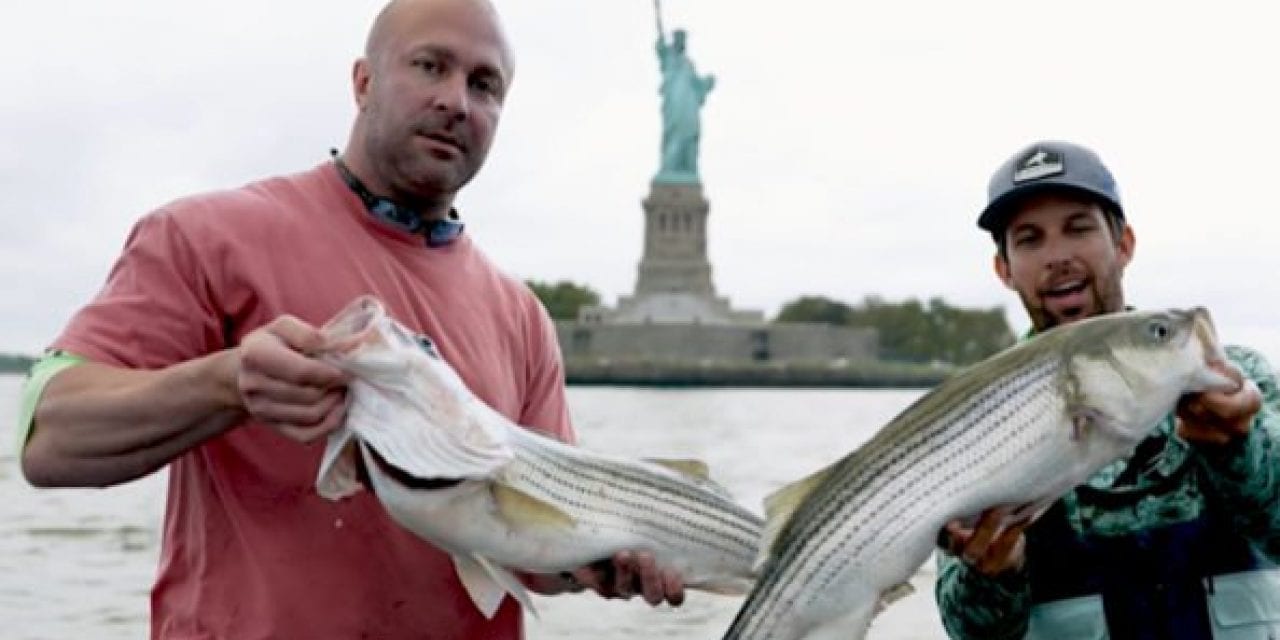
{"type": "Point", "coordinates": [845, 152]}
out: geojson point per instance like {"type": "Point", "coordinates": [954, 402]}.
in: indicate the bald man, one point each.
{"type": "Point", "coordinates": [193, 356]}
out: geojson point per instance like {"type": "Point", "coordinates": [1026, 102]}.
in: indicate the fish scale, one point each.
{"type": "Point", "coordinates": [1018, 429]}
{"type": "Point", "coordinates": [649, 502]}
{"type": "Point", "coordinates": [847, 483]}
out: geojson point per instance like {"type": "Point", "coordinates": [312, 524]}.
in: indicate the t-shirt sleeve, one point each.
{"type": "Point", "coordinates": [545, 407]}
{"type": "Point", "coordinates": [53, 363]}
{"type": "Point", "coordinates": [156, 308]}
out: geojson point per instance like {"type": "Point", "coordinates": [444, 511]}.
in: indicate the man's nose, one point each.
{"type": "Point", "coordinates": [1055, 265]}
{"type": "Point", "coordinates": [1056, 253]}
{"type": "Point", "coordinates": [451, 98]}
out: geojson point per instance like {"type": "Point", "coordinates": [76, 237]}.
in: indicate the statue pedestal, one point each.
{"type": "Point", "coordinates": [673, 285]}
{"type": "Point", "coordinates": [675, 241]}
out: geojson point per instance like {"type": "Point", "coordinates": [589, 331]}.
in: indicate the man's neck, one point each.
{"type": "Point", "coordinates": [428, 209]}
{"type": "Point", "coordinates": [366, 184]}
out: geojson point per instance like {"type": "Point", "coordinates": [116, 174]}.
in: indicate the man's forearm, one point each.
{"type": "Point", "coordinates": [978, 607]}
{"type": "Point", "coordinates": [1246, 476]}
{"type": "Point", "coordinates": [98, 425]}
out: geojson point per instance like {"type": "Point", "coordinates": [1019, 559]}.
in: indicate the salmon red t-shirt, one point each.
{"type": "Point", "coordinates": [249, 550]}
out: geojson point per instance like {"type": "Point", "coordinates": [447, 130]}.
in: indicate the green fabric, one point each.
{"type": "Point", "coordinates": [41, 373]}
{"type": "Point", "coordinates": [1243, 479]}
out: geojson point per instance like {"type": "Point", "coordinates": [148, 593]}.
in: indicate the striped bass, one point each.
{"type": "Point", "coordinates": [1020, 429]}
{"type": "Point", "coordinates": [499, 497]}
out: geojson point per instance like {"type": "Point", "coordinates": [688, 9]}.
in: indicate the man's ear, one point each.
{"type": "Point", "coordinates": [1125, 247]}
{"type": "Point", "coordinates": [1001, 266]}
{"type": "Point", "coordinates": [361, 76]}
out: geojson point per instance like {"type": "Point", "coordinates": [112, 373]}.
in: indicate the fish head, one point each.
{"type": "Point", "coordinates": [406, 403]}
{"type": "Point", "coordinates": [366, 342]}
{"type": "Point", "coordinates": [1132, 367]}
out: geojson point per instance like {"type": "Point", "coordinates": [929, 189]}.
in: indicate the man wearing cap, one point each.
{"type": "Point", "coordinates": [1179, 540]}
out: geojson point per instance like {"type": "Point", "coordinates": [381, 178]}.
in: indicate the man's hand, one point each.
{"type": "Point", "coordinates": [624, 575]}
{"type": "Point", "coordinates": [1217, 418]}
{"type": "Point", "coordinates": [285, 388]}
{"type": "Point", "coordinates": [991, 546]}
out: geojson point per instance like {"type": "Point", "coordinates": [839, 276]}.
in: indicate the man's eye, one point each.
{"type": "Point", "coordinates": [486, 85]}
{"type": "Point", "coordinates": [428, 66]}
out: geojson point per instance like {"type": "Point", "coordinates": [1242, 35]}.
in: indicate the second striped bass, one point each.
{"type": "Point", "coordinates": [1020, 428]}
{"type": "Point", "coordinates": [497, 496]}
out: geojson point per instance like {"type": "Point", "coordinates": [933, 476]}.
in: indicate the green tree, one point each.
{"type": "Point", "coordinates": [564, 298]}
{"type": "Point", "coordinates": [10, 363]}
{"type": "Point", "coordinates": [912, 331]}
{"type": "Point", "coordinates": [814, 309]}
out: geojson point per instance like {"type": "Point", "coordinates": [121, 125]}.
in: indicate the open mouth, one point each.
{"type": "Point", "coordinates": [1068, 299]}
{"type": "Point", "coordinates": [1064, 289]}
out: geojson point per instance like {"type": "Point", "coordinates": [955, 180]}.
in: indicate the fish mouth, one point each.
{"type": "Point", "coordinates": [1215, 356]}
{"type": "Point", "coordinates": [352, 326]}
{"type": "Point", "coordinates": [400, 476]}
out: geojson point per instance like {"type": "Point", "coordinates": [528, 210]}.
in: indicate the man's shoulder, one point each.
{"type": "Point", "coordinates": [249, 204]}
{"type": "Point", "coordinates": [1250, 360]}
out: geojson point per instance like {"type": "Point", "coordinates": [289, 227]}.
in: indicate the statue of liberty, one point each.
{"type": "Point", "coordinates": [683, 92]}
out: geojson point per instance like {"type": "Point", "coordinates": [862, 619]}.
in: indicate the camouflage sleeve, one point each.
{"type": "Point", "coordinates": [1246, 474]}
{"type": "Point", "coordinates": [978, 607]}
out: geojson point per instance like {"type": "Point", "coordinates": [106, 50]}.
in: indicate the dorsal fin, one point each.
{"type": "Point", "coordinates": [780, 506]}
{"type": "Point", "coordinates": [696, 469]}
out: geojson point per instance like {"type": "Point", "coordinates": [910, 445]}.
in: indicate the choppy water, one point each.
{"type": "Point", "coordinates": [79, 563]}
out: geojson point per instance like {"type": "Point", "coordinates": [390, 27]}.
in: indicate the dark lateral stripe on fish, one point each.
{"type": "Point", "coordinates": [838, 498]}
{"type": "Point", "coordinates": [654, 510]}
{"type": "Point", "coordinates": [855, 478]}
{"type": "Point", "coordinates": [849, 508]}
{"type": "Point", "coordinates": [654, 486]}
{"type": "Point", "coordinates": [640, 515]}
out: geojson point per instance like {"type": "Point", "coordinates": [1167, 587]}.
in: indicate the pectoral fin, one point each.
{"type": "Point", "coordinates": [488, 583]}
{"type": "Point", "coordinates": [893, 594]}
{"type": "Point", "coordinates": [338, 477]}
{"type": "Point", "coordinates": [780, 506]}
{"type": "Point", "coordinates": [520, 509]}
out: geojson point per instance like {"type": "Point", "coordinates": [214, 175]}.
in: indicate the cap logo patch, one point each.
{"type": "Point", "coordinates": [1040, 163]}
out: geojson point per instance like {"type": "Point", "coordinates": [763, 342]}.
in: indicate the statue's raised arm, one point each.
{"type": "Point", "coordinates": [662, 33]}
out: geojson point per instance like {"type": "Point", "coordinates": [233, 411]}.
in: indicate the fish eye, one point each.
{"type": "Point", "coordinates": [426, 344]}
{"type": "Point", "coordinates": [1159, 330]}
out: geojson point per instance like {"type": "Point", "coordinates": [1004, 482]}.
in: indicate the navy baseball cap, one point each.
{"type": "Point", "coordinates": [1047, 166]}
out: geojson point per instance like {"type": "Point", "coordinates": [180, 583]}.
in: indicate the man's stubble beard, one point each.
{"type": "Point", "coordinates": [1106, 293]}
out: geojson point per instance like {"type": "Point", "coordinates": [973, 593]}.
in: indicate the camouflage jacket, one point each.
{"type": "Point", "coordinates": [1244, 479]}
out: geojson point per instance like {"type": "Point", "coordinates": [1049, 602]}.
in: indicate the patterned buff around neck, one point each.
{"type": "Point", "coordinates": [438, 233]}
